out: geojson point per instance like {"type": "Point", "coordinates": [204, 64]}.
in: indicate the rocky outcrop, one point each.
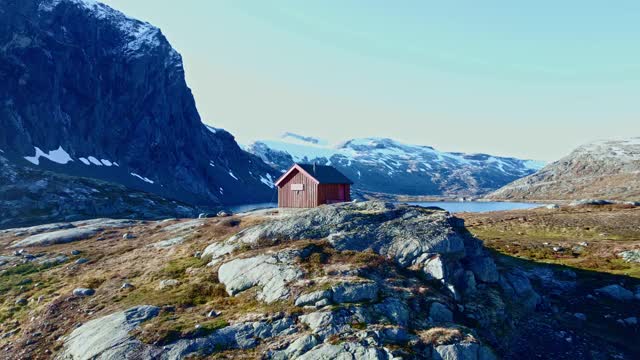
{"type": "Point", "coordinates": [599, 170]}
{"type": "Point", "coordinates": [352, 304]}
{"type": "Point", "coordinates": [88, 91]}
{"type": "Point", "coordinates": [411, 236]}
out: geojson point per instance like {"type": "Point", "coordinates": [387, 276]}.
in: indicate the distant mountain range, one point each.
{"type": "Point", "coordinates": [607, 169]}
{"type": "Point", "coordinates": [87, 91]}
{"type": "Point", "coordinates": [383, 165]}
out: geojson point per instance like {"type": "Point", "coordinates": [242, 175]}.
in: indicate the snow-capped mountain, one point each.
{"type": "Point", "coordinates": [91, 92]}
{"type": "Point", "coordinates": [608, 169]}
{"type": "Point", "coordinates": [388, 166]}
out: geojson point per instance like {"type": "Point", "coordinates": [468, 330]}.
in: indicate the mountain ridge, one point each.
{"type": "Point", "coordinates": [92, 92]}
{"type": "Point", "coordinates": [604, 169]}
{"type": "Point", "coordinates": [384, 165]}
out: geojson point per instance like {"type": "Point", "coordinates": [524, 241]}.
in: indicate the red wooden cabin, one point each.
{"type": "Point", "coordinates": [307, 186]}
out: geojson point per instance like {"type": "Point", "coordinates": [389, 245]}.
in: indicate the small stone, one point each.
{"type": "Point", "coordinates": [128, 236]}
{"type": "Point", "coordinates": [213, 313]}
{"type": "Point", "coordinates": [75, 252]}
{"type": "Point", "coordinates": [126, 285]}
{"type": "Point", "coordinates": [40, 298]}
{"type": "Point", "coordinates": [197, 254]}
{"type": "Point", "coordinates": [203, 216]}
{"type": "Point", "coordinates": [82, 261]}
{"type": "Point", "coordinates": [311, 299]}
{"type": "Point", "coordinates": [631, 321]}
{"type": "Point", "coordinates": [580, 316]}
{"type": "Point", "coordinates": [81, 292]}
{"type": "Point", "coordinates": [583, 243]}
{"type": "Point", "coordinates": [616, 292]}
{"type": "Point", "coordinates": [347, 292]}
{"type": "Point", "coordinates": [440, 313]}
{"type": "Point", "coordinates": [223, 214]}
{"type": "Point", "coordinates": [168, 283]}
{"type": "Point", "coordinates": [21, 302]}
{"type": "Point", "coordinates": [557, 248]}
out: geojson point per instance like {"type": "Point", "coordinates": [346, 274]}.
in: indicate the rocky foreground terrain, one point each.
{"type": "Point", "coordinates": [366, 280]}
{"type": "Point", "coordinates": [600, 170]}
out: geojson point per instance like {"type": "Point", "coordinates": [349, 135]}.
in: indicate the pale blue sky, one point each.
{"type": "Point", "coordinates": [530, 79]}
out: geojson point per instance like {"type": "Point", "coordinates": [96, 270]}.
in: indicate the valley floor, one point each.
{"type": "Point", "coordinates": [584, 237]}
{"type": "Point", "coordinates": [585, 246]}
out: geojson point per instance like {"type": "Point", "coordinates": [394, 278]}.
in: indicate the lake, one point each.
{"type": "Point", "coordinates": [477, 206]}
{"type": "Point", "coordinates": [250, 207]}
{"type": "Point", "coordinates": [451, 206]}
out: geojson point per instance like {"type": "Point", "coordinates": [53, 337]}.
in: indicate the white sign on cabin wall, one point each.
{"type": "Point", "coordinates": [297, 187]}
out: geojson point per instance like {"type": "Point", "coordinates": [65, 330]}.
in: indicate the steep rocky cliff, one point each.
{"type": "Point", "coordinates": [600, 170]}
{"type": "Point", "coordinates": [88, 91]}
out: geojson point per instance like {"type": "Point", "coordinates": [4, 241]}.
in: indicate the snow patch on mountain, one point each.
{"type": "Point", "coordinates": [59, 156]}
{"type": "Point", "coordinates": [147, 180]}
{"type": "Point", "coordinates": [267, 180]}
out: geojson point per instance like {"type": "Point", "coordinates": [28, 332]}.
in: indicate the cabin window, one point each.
{"type": "Point", "coordinates": [297, 187]}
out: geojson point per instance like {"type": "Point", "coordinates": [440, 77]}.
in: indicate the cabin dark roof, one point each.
{"type": "Point", "coordinates": [325, 174]}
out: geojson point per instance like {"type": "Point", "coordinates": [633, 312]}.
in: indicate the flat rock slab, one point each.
{"type": "Point", "coordinates": [270, 272]}
{"type": "Point", "coordinates": [58, 237]}
{"type": "Point", "coordinates": [108, 337]}
{"type": "Point", "coordinates": [168, 243]}
{"type": "Point", "coordinates": [66, 235]}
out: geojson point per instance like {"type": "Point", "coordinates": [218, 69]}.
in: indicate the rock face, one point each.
{"type": "Point", "coordinates": [90, 92]}
{"type": "Point", "coordinates": [270, 272]}
{"type": "Point", "coordinates": [388, 166]}
{"type": "Point", "coordinates": [600, 170]}
{"type": "Point", "coordinates": [108, 337]}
